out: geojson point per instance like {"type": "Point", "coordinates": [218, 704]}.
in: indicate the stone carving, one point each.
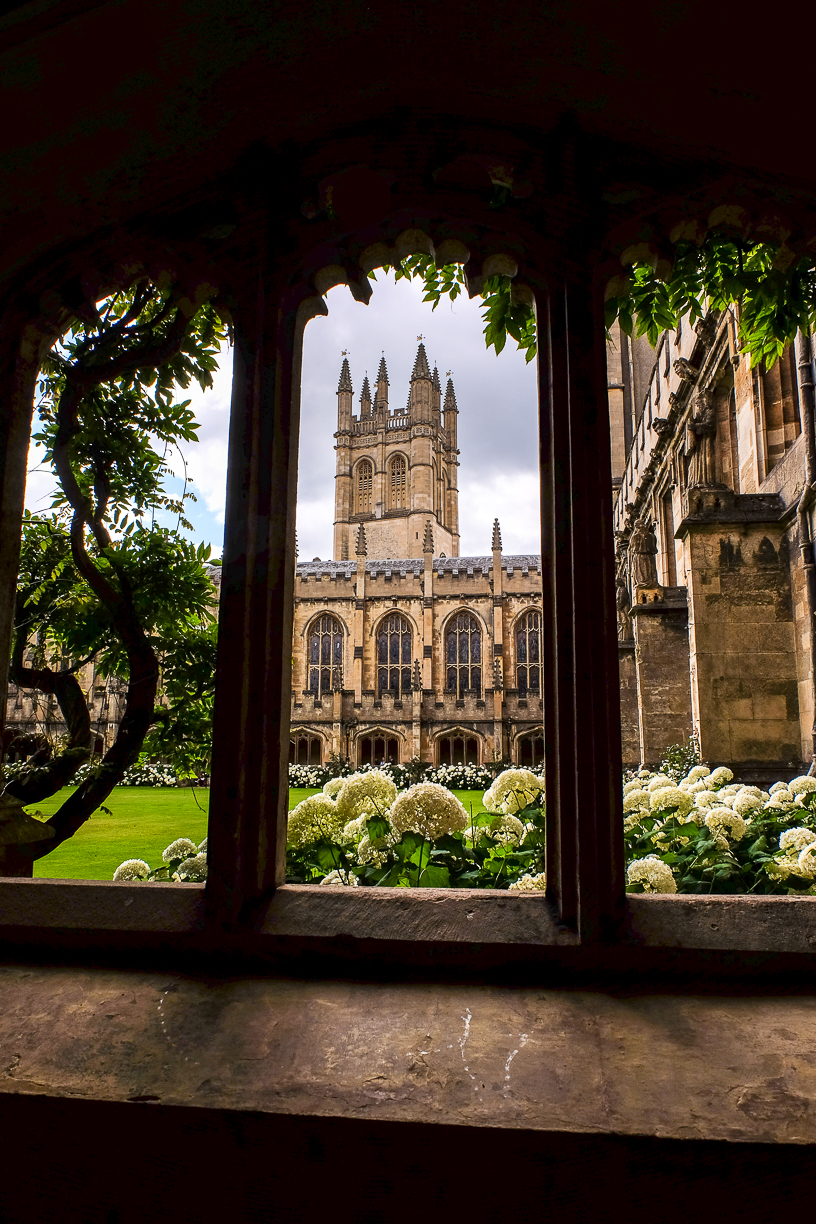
{"type": "Point", "coordinates": [622, 603]}
{"type": "Point", "coordinates": [417, 677]}
{"type": "Point", "coordinates": [700, 434]}
{"type": "Point", "coordinates": [685, 370]}
{"type": "Point", "coordinates": [643, 555]}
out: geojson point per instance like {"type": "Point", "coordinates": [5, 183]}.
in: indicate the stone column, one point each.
{"type": "Point", "coordinates": [661, 667]}
{"type": "Point", "coordinates": [741, 630]}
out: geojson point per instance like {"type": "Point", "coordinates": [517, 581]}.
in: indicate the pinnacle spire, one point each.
{"type": "Point", "coordinates": [427, 543]}
{"type": "Point", "coordinates": [421, 369]}
{"type": "Point", "coordinates": [450, 397]}
{"type": "Point", "coordinates": [365, 394]}
{"type": "Point", "coordinates": [362, 545]}
{"type": "Point", "coordinates": [435, 379]}
{"type": "Point", "coordinates": [382, 372]}
{"type": "Point", "coordinates": [345, 377]}
{"type": "Point", "coordinates": [497, 540]}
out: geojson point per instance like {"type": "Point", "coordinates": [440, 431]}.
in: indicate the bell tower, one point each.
{"type": "Point", "coordinates": [396, 469]}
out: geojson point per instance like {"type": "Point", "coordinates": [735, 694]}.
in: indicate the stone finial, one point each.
{"type": "Point", "coordinates": [417, 677]}
{"type": "Point", "coordinates": [498, 682]}
{"type": "Point", "coordinates": [497, 540]}
{"type": "Point", "coordinates": [435, 380]}
{"type": "Point", "coordinates": [345, 377]}
{"type": "Point", "coordinates": [421, 368]}
{"type": "Point", "coordinates": [365, 394]}
{"type": "Point", "coordinates": [427, 543]}
{"type": "Point", "coordinates": [450, 397]}
{"type": "Point", "coordinates": [382, 372]}
{"type": "Point", "coordinates": [362, 543]}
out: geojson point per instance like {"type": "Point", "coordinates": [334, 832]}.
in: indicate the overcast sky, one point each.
{"type": "Point", "coordinates": [496, 396]}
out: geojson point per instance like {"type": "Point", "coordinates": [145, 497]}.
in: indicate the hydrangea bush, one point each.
{"type": "Point", "coordinates": [183, 862]}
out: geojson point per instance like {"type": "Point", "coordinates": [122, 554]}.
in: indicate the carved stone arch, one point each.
{"type": "Point", "coordinates": [308, 746]}
{"type": "Point", "coordinates": [394, 636]}
{"type": "Point", "coordinates": [458, 746]}
{"type": "Point", "coordinates": [528, 747]}
{"type": "Point", "coordinates": [464, 645]}
{"type": "Point", "coordinates": [375, 744]}
{"type": "Point", "coordinates": [527, 654]}
{"type": "Point", "coordinates": [397, 481]}
{"type": "Point", "coordinates": [326, 635]}
{"type": "Point", "coordinates": [362, 475]}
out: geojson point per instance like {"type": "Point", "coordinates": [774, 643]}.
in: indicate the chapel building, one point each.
{"type": "Point", "coordinates": [402, 648]}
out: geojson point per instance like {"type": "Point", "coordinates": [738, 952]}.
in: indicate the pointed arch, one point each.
{"type": "Point", "coordinates": [397, 483]}
{"type": "Point", "coordinates": [364, 487]}
{"type": "Point", "coordinates": [463, 639]}
{"type": "Point", "coordinates": [527, 629]}
{"type": "Point", "coordinates": [324, 654]}
{"type": "Point", "coordinates": [393, 652]}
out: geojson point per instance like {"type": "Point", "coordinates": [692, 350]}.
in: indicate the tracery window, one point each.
{"type": "Point", "coordinates": [325, 655]}
{"type": "Point", "coordinates": [528, 654]}
{"type": "Point", "coordinates": [463, 654]}
{"type": "Point", "coordinates": [458, 749]}
{"type": "Point", "coordinates": [530, 750]}
{"type": "Point", "coordinates": [363, 488]}
{"type": "Point", "coordinates": [398, 493]}
{"type": "Point", "coordinates": [394, 655]}
{"type": "Point", "coordinates": [374, 749]}
{"type": "Point", "coordinates": [305, 749]}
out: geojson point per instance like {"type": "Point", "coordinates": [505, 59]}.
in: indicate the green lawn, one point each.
{"type": "Point", "coordinates": [144, 821]}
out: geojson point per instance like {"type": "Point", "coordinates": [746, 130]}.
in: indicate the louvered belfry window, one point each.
{"type": "Point", "coordinates": [528, 654]}
{"type": "Point", "coordinates": [398, 496]}
{"type": "Point", "coordinates": [364, 487]}
{"type": "Point", "coordinates": [325, 655]}
{"type": "Point", "coordinates": [394, 655]}
{"type": "Point", "coordinates": [463, 654]}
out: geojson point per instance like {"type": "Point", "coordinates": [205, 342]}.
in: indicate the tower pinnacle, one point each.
{"type": "Point", "coordinates": [421, 368]}
{"type": "Point", "coordinates": [450, 397]}
{"type": "Point", "coordinates": [497, 540]}
{"type": "Point", "coordinates": [427, 543]}
{"type": "Point", "coordinates": [365, 399]}
{"type": "Point", "coordinates": [345, 377]}
{"type": "Point", "coordinates": [362, 545]}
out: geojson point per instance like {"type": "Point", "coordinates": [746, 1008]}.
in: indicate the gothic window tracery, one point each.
{"type": "Point", "coordinates": [305, 749]}
{"type": "Point", "coordinates": [363, 487]}
{"type": "Point", "coordinates": [458, 749]}
{"type": "Point", "coordinates": [376, 748]}
{"type": "Point", "coordinates": [398, 491]}
{"type": "Point", "coordinates": [528, 654]}
{"type": "Point", "coordinates": [394, 655]}
{"type": "Point", "coordinates": [463, 654]}
{"type": "Point", "coordinates": [325, 655]}
{"type": "Point", "coordinates": [530, 750]}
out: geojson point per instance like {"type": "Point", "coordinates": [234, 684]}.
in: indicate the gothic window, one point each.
{"type": "Point", "coordinates": [463, 654]}
{"type": "Point", "coordinates": [458, 749]}
{"type": "Point", "coordinates": [305, 749]}
{"type": "Point", "coordinates": [528, 654]}
{"type": "Point", "coordinates": [398, 492]}
{"type": "Point", "coordinates": [377, 748]}
{"type": "Point", "coordinates": [394, 655]}
{"type": "Point", "coordinates": [325, 655]}
{"type": "Point", "coordinates": [530, 750]}
{"type": "Point", "coordinates": [363, 488]}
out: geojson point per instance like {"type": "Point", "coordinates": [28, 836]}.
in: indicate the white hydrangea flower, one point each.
{"type": "Point", "coordinates": [780, 799]}
{"type": "Point", "coordinates": [706, 799]}
{"type": "Point", "coordinates": [636, 801]}
{"type": "Point", "coordinates": [796, 840]}
{"type": "Point", "coordinates": [505, 829]}
{"type": "Point", "coordinates": [512, 790]}
{"type": "Point", "coordinates": [777, 786]}
{"type": "Point", "coordinates": [634, 784]}
{"type": "Point", "coordinates": [802, 786]}
{"type": "Point", "coordinates": [529, 883]}
{"type": "Point", "coordinates": [369, 794]}
{"type": "Point", "coordinates": [659, 781]}
{"type": "Point", "coordinates": [181, 848]}
{"type": "Point", "coordinates": [665, 798]}
{"type": "Point", "coordinates": [719, 776]}
{"type": "Point", "coordinates": [203, 846]}
{"type": "Point", "coordinates": [132, 869]}
{"type": "Point", "coordinates": [694, 788]}
{"type": "Point", "coordinates": [338, 876]}
{"type": "Point", "coordinates": [333, 787]}
{"type": "Point", "coordinates": [807, 862]}
{"type": "Point", "coordinates": [429, 809]}
{"type": "Point", "coordinates": [696, 774]}
{"type": "Point", "coordinates": [314, 818]}
{"type": "Point", "coordinates": [746, 803]}
{"type": "Point", "coordinates": [368, 851]}
{"type": "Point", "coordinates": [194, 869]}
{"type": "Point", "coordinates": [655, 875]}
{"type": "Point", "coordinates": [725, 824]}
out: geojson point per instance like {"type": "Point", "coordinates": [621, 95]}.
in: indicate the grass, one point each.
{"type": "Point", "coordinates": [144, 820]}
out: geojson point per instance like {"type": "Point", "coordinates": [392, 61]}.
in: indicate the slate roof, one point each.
{"type": "Point", "coordinates": [396, 565]}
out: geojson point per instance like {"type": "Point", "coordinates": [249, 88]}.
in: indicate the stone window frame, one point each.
{"type": "Point", "coordinates": [304, 733]}
{"type": "Point", "coordinates": [245, 903]}
{"type": "Point", "coordinates": [373, 733]}
{"type": "Point", "coordinates": [360, 493]}
{"type": "Point", "coordinates": [514, 629]}
{"type": "Point", "coordinates": [464, 733]}
{"type": "Point", "coordinates": [306, 634]}
{"type": "Point", "coordinates": [404, 690]}
{"type": "Point", "coordinates": [485, 638]}
{"type": "Point", "coordinates": [398, 497]}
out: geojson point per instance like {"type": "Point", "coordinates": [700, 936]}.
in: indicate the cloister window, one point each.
{"type": "Point", "coordinates": [530, 750]}
{"type": "Point", "coordinates": [528, 654]}
{"type": "Point", "coordinates": [398, 493]}
{"type": "Point", "coordinates": [463, 654]}
{"type": "Point", "coordinates": [363, 487]}
{"type": "Point", "coordinates": [305, 749]}
{"type": "Point", "coordinates": [458, 749]}
{"type": "Point", "coordinates": [394, 655]}
{"type": "Point", "coordinates": [374, 749]}
{"type": "Point", "coordinates": [325, 655]}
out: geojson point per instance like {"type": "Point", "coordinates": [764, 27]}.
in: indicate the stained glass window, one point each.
{"type": "Point", "coordinates": [364, 487]}
{"type": "Point", "coordinates": [394, 655]}
{"type": "Point", "coordinates": [528, 654]}
{"type": "Point", "coordinates": [325, 653]}
{"type": "Point", "coordinates": [463, 654]}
